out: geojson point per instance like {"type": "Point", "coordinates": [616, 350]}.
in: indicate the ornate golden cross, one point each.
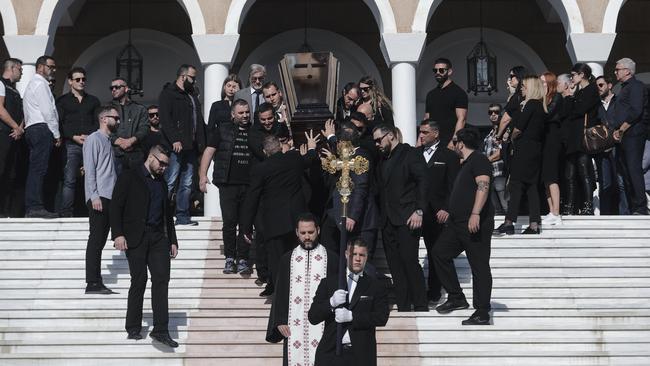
{"type": "Point", "coordinates": [346, 162]}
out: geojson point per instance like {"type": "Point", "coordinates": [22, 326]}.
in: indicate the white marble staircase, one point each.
{"type": "Point", "coordinates": [579, 294]}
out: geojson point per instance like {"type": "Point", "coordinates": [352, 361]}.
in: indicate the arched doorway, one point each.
{"type": "Point", "coordinates": [632, 34]}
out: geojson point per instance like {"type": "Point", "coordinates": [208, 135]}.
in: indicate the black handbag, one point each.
{"type": "Point", "coordinates": [597, 139]}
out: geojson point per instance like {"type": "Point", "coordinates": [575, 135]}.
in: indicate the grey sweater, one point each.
{"type": "Point", "coordinates": [99, 166]}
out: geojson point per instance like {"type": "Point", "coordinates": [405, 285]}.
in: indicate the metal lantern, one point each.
{"type": "Point", "coordinates": [481, 70]}
{"type": "Point", "coordinates": [129, 66]}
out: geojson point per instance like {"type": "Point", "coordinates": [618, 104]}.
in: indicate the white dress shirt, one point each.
{"type": "Point", "coordinates": [352, 279]}
{"type": "Point", "coordinates": [429, 151]}
{"type": "Point", "coordinates": [39, 105]}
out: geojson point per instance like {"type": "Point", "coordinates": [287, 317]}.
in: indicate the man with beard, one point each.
{"type": "Point", "coordinates": [347, 103]}
{"type": "Point", "coordinates": [142, 225]}
{"type": "Point", "coordinates": [273, 95]}
{"type": "Point", "coordinates": [183, 129]}
{"type": "Point", "coordinates": [132, 130]}
{"type": "Point", "coordinates": [402, 184]}
{"type": "Point", "coordinates": [469, 228]}
{"type": "Point", "coordinates": [446, 103]}
{"type": "Point", "coordinates": [99, 180]}
{"type": "Point", "coordinates": [154, 136]}
{"type": "Point", "coordinates": [299, 274]}
{"type": "Point", "coordinates": [268, 126]}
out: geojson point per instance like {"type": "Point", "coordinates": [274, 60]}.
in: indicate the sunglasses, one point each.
{"type": "Point", "coordinates": [163, 164]}
{"type": "Point", "coordinates": [511, 76]}
{"type": "Point", "coordinates": [491, 112]}
{"type": "Point", "coordinates": [365, 89]}
{"type": "Point", "coordinates": [378, 139]}
{"type": "Point", "coordinates": [440, 70]}
{"type": "Point", "coordinates": [262, 78]}
{"type": "Point", "coordinates": [152, 115]}
{"type": "Point", "coordinates": [601, 85]}
{"type": "Point", "coordinates": [79, 80]}
{"type": "Point", "coordinates": [115, 87]}
{"type": "Point", "coordinates": [116, 118]}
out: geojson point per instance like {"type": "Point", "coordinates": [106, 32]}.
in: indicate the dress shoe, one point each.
{"type": "Point", "coordinates": [187, 223]}
{"type": "Point", "coordinates": [165, 339]}
{"type": "Point", "coordinates": [530, 231]}
{"type": "Point", "coordinates": [477, 319]}
{"type": "Point", "coordinates": [260, 281]}
{"type": "Point", "coordinates": [134, 334]}
{"type": "Point", "coordinates": [504, 229]}
{"type": "Point", "coordinates": [98, 288]}
{"type": "Point", "coordinates": [451, 305]}
{"type": "Point", "coordinates": [41, 214]}
{"type": "Point", "coordinates": [268, 291]}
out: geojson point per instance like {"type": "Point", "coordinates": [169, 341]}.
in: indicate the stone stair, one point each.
{"type": "Point", "coordinates": [579, 294]}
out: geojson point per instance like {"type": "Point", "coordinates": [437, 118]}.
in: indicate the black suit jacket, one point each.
{"type": "Point", "coordinates": [442, 170]}
{"type": "Point", "coordinates": [369, 306]}
{"type": "Point", "coordinates": [130, 206]}
{"type": "Point", "coordinates": [402, 184]}
{"type": "Point", "coordinates": [276, 188]}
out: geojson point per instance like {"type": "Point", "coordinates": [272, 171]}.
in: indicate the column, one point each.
{"type": "Point", "coordinates": [27, 48]}
{"type": "Point", "coordinates": [402, 52]}
{"type": "Point", "coordinates": [214, 76]}
{"type": "Point", "coordinates": [591, 48]}
{"type": "Point", "coordinates": [216, 52]}
{"type": "Point", "coordinates": [403, 82]}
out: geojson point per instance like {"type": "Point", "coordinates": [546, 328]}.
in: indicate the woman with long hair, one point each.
{"type": "Point", "coordinates": [552, 148]}
{"type": "Point", "coordinates": [513, 107]}
{"type": "Point", "coordinates": [375, 98]}
{"type": "Point", "coordinates": [527, 138]}
{"type": "Point", "coordinates": [220, 110]}
{"type": "Point", "coordinates": [582, 112]}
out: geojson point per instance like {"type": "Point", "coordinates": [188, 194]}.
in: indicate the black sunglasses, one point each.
{"type": "Point", "coordinates": [378, 139]}
{"type": "Point", "coordinates": [116, 118]}
{"type": "Point", "coordinates": [79, 79]}
{"type": "Point", "coordinates": [162, 163]}
{"type": "Point", "coordinates": [152, 115]}
{"type": "Point", "coordinates": [491, 112]}
{"type": "Point", "coordinates": [440, 70]}
{"type": "Point", "coordinates": [601, 85]}
{"type": "Point", "coordinates": [115, 87]}
{"type": "Point", "coordinates": [365, 89]}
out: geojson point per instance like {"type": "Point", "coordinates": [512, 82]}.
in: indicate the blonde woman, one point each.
{"type": "Point", "coordinates": [381, 106]}
{"type": "Point", "coordinates": [527, 138]}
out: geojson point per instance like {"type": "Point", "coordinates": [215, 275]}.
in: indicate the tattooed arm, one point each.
{"type": "Point", "coordinates": [481, 196]}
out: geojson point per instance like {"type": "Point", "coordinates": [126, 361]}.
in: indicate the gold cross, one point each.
{"type": "Point", "coordinates": [346, 162]}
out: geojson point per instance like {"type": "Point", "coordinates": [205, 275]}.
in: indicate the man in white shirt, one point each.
{"type": "Point", "coordinates": [41, 133]}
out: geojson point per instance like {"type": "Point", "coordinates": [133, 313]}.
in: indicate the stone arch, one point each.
{"type": "Point", "coordinates": [610, 19]}
{"type": "Point", "coordinates": [52, 10]}
{"type": "Point", "coordinates": [8, 18]}
{"type": "Point", "coordinates": [456, 45]}
{"type": "Point", "coordinates": [568, 11]}
{"type": "Point", "coordinates": [94, 59]}
{"type": "Point", "coordinates": [381, 10]}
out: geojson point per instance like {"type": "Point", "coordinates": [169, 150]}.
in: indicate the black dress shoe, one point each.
{"type": "Point", "coordinates": [530, 231]}
{"type": "Point", "coordinates": [165, 339]}
{"type": "Point", "coordinates": [451, 305]}
{"type": "Point", "coordinates": [504, 229]}
{"type": "Point", "coordinates": [268, 291]}
{"type": "Point", "coordinates": [134, 334]}
{"type": "Point", "coordinates": [477, 319]}
{"type": "Point", "coordinates": [98, 288]}
{"type": "Point", "coordinates": [260, 281]}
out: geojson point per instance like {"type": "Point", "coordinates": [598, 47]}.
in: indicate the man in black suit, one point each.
{"type": "Point", "coordinates": [443, 165]}
{"type": "Point", "coordinates": [360, 309]}
{"type": "Point", "coordinates": [276, 191]}
{"type": "Point", "coordinates": [142, 225]}
{"type": "Point", "coordinates": [402, 184]}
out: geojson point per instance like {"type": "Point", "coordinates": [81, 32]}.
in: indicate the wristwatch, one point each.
{"type": "Point", "coordinates": [419, 212]}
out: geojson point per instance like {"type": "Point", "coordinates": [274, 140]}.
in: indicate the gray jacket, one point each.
{"type": "Point", "coordinates": [134, 121]}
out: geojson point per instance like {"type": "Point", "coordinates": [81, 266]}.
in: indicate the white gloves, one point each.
{"type": "Point", "coordinates": [340, 297]}
{"type": "Point", "coordinates": [342, 315]}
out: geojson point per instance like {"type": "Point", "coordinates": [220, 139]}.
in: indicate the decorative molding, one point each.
{"type": "Point", "coordinates": [9, 19]}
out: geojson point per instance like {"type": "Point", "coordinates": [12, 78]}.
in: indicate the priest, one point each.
{"type": "Point", "coordinates": [299, 274]}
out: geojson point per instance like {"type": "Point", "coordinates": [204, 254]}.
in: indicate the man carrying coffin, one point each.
{"type": "Point", "coordinates": [299, 274]}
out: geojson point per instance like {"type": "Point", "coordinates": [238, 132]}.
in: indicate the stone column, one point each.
{"type": "Point", "coordinates": [216, 52]}
{"type": "Point", "coordinates": [402, 52]}
{"type": "Point", "coordinates": [27, 48]}
{"type": "Point", "coordinates": [591, 48]}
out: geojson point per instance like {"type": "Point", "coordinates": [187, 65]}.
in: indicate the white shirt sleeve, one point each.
{"type": "Point", "coordinates": [2, 90]}
{"type": "Point", "coordinates": [48, 108]}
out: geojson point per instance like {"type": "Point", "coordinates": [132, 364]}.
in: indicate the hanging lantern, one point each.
{"type": "Point", "coordinates": [481, 70]}
{"type": "Point", "coordinates": [129, 66]}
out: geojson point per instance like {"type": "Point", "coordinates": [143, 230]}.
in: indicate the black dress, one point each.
{"type": "Point", "coordinates": [552, 141]}
{"type": "Point", "coordinates": [585, 101]}
{"type": "Point", "coordinates": [527, 154]}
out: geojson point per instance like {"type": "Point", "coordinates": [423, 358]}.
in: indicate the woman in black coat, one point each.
{"type": "Point", "coordinates": [220, 110]}
{"type": "Point", "coordinates": [578, 171]}
{"type": "Point", "coordinates": [552, 149]}
{"type": "Point", "coordinates": [526, 161]}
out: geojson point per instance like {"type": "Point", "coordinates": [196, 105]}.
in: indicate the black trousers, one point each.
{"type": "Point", "coordinates": [153, 253]}
{"type": "Point", "coordinates": [330, 236]}
{"type": "Point", "coordinates": [578, 171]}
{"type": "Point", "coordinates": [630, 157]}
{"type": "Point", "coordinates": [99, 228]}
{"type": "Point", "coordinates": [276, 247]}
{"type": "Point", "coordinates": [401, 246]}
{"type": "Point", "coordinates": [517, 189]}
{"type": "Point", "coordinates": [455, 239]}
{"type": "Point", "coordinates": [232, 198]}
{"type": "Point", "coordinates": [431, 230]}
{"type": "Point", "coordinates": [261, 254]}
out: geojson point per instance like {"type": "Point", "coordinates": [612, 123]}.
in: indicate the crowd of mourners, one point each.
{"type": "Point", "coordinates": [446, 189]}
